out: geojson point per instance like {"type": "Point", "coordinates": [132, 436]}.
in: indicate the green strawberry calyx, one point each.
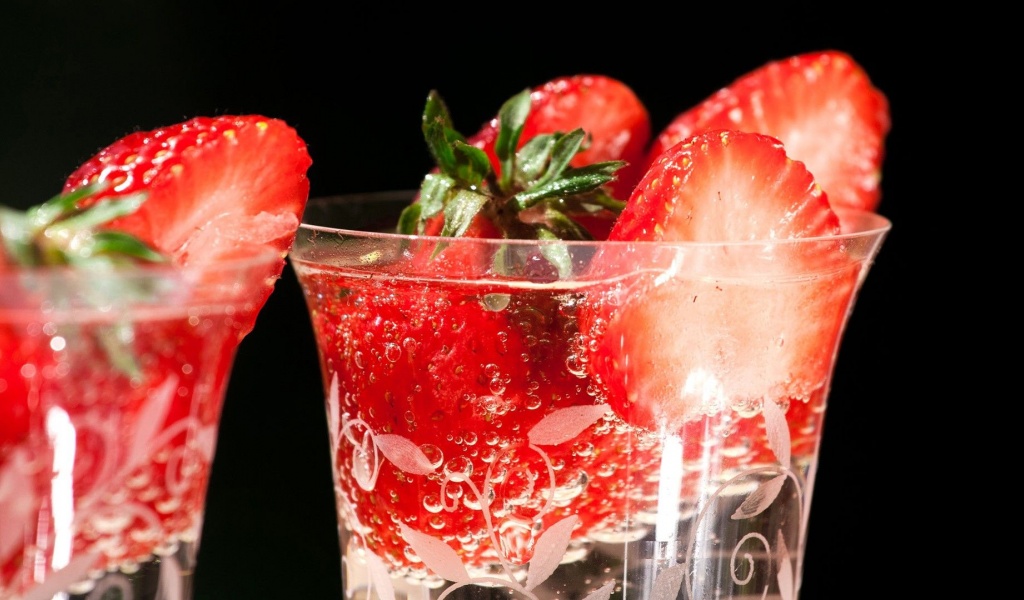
{"type": "Point", "coordinates": [535, 195]}
{"type": "Point", "coordinates": [59, 232]}
{"type": "Point", "coordinates": [62, 233]}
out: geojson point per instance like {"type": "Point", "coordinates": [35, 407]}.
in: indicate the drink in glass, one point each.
{"type": "Point", "coordinates": [111, 385]}
{"type": "Point", "coordinates": [482, 446]}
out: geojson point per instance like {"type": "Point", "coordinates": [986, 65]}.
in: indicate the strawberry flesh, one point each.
{"type": "Point", "coordinates": [726, 186]}
{"type": "Point", "coordinates": [821, 105]}
{"type": "Point", "coordinates": [215, 185]}
{"type": "Point", "coordinates": [466, 370]}
{"type": "Point", "coordinates": [721, 331]}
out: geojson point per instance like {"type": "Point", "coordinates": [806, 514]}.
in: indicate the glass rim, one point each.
{"type": "Point", "coordinates": [146, 290]}
{"type": "Point", "coordinates": [246, 258]}
{"type": "Point", "coordinates": [866, 223]}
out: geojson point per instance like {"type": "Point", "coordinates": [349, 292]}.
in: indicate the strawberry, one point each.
{"type": "Point", "coordinates": [615, 120]}
{"type": "Point", "coordinates": [733, 337]}
{"type": "Point", "coordinates": [464, 372]}
{"type": "Point", "coordinates": [214, 185]}
{"type": "Point", "coordinates": [821, 105]}
{"type": "Point", "coordinates": [615, 129]}
{"type": "Point", "coordinates": [525, 189]}
{"type": "Point", "coordinates": [56, 233]}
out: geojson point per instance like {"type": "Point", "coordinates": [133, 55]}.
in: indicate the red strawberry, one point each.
{"type": "Point", "coordinates": [821, 105]}
{"type": "Point", "coordinates": [716, 327]}
{"type": "Point", "coordinates": [519, 183]}
{"type": "Point", "coordinates": [605, 108]}
{"type": "Point", "coordinates": [214, 184]}
{"type": "Point", "coordinates": [483, 365]}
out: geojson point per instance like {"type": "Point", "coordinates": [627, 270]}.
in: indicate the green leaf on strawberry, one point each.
{"type": "Point", "coordinates": [537, 176]}
{"type": "Point", "coordinates": [60, 232]}
{"type": "Point", "coordinates": [532, 194]}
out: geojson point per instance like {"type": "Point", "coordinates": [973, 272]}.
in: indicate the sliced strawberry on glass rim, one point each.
{"type": "Point", "coordinates": [214, 185]}
{"type": "Point", "coordinates": [216, 188]}
{"type": "Point", "coordinates": [821, 105]}
{"type": "Point", "coordinates": [722, 326]}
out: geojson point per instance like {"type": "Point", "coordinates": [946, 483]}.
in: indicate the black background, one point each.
{"type": "Point", "coordinates": [352, 80]}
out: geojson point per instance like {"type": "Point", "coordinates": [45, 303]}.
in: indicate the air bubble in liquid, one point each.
{"type": "Point", "coordinates": [459, 468]}
{"type": "Point", "coordinates": [433, 454]}
{"type": "Point", "coordinates": [575, 366]}
{"type": "Point", "coordinates": [495, 302]}
{"type": "Point", "coordinates": [432, 503]}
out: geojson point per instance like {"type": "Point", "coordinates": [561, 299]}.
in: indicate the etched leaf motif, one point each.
{"type": "Point", "coordinates": [760, 499]}
{"type": "Point", "coordinates": [777, 430]}
{"type": "Point", "coordinates": [151, 420]}
{"type": "Point", "coordinates": [437, 555]}
{"type": "Point", "coordinates": [364, 466]}
{"type": "Point", "coordinates": [75, 571]}
{"type": "Point", "coordinates": [668, 582]}
{"type": "Point", "coordinates": [785, 570]}
{"type": "Point", "coordinates": [379, 577]}
{"type": "Point", "coordinates": [334, 414]}
{"type": "Point", "coordinates": [406, 455]}
{"type": "Point", "coordinates": [565, 423]}
{"type": "Point", "coordinates": [550, 549]}
{"type": "Point", "coordinates": [602, 593]}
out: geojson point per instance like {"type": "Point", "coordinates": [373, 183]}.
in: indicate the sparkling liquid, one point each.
{"type": "Point", "coordinates": [109, 437]}
{"type": "Point", "coordinates": [475, 456]}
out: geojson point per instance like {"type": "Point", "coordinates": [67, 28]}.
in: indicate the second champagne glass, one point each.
{"type": "Point", "coordinates": [111, 386]}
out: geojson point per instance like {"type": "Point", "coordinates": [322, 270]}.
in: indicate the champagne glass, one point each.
{"type": "Point", "coordinates": [111, 386]}
{"type": "Point", "coordinates": [483, 444]}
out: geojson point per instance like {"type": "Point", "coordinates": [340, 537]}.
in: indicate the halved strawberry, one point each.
{"type": "Point", "coordinates": [721, 326]}
{"type": "Point", "coordinates": [726, 186]}
{"type": "Point", "coordinates": [214, 185]}
{"type": "Point", "coordinates": [821, 105]}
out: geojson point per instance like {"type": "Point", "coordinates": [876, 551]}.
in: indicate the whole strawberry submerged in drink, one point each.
{"type": "Point", "coordinates": [537, 385]}
{"type": "Point", "coordinates": [122, 303]}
